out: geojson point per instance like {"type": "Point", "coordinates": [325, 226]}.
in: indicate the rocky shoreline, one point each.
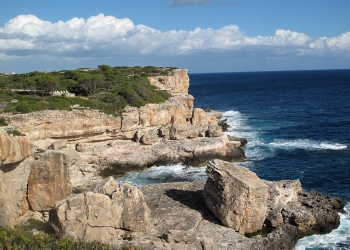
{"type": "Point", "coordinates": [57, 168]}
{"type": "Point", "coordinates": [179, 215]}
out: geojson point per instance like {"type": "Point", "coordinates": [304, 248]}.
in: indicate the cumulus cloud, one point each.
{"type": "Point", "coordinates": [175, 3]}
{"type": "Point", "coordinates": [107, 36]}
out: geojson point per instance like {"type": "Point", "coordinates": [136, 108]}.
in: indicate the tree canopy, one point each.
{"type": "Point", "coordinates": [105, 88]}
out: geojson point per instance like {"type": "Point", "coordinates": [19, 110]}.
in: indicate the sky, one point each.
{"type": "Point", "coordinates": [201, 35]}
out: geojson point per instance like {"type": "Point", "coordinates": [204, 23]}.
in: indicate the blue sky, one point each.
{"type": "Point", "coordinates": [201, 35]}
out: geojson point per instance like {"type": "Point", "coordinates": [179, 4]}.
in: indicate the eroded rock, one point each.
{"type": "Point", "coordinates": [13, 148]}
{"type": "Point", "coordinates": [48, 181]}
{"type": "Point", "coordinates": [99, 217]}
{"type": "Point", "coordinates": [237, 196]}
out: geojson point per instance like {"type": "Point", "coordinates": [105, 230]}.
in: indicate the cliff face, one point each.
{"type": "Point", "coordinates": [178, 82]}
{"type": "Point", "coordinates": [67, 124]}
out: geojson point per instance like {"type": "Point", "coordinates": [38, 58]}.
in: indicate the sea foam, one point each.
{"type": "Point", "coordinates": [307, 144]}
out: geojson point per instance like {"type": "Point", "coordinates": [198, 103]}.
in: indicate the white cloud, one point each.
{"type": "Point", "coordinates": [107, 36]}
{"type": "Point", "coordinates": [339, 43]}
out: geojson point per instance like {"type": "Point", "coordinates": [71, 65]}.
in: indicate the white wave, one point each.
{"type": "Point", "coordinates": [337, 239]}
{"type": "Point", "coordinates": [256, 149]}
{"type": "Point", "coordinates": [161, 174]}
{"type": "Point", "coordinates": [307, 144]}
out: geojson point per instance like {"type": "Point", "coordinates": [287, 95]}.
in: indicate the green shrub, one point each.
{"type": "Point", "coordinates": [15, 133]}
{"type": "Point", "coordinates": [16, 239]}
{"type": "Point", "coordinates": [31, 224]}
{"type": "Point", "coordinates": [3, 121]}
{"type": "Point", "coordinates": [109, 89]}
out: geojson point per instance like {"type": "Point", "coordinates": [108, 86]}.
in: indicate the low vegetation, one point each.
{"type": "Point", "coordinates": [105, 88]}
{"type": "Point", "coordinates": [17, 239]}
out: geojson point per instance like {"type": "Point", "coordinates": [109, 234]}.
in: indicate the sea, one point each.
{"type": "Point", "coordinates": [297, 124]}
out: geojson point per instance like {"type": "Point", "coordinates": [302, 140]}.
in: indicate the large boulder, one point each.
{"type": "Point", "coordinates": [48, 181]}
{"type": "Point", "coordinates": [14, 172]}
{"type": "Point", "coordinates": [236, 196]}
{"type": "Point", "coordinates": [13, 192]}
{"type": "Point", "coordinates": [99, 215]}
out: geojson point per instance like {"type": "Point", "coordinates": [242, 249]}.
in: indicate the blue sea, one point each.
{"type": "Point", "coordinates": [297, 124]}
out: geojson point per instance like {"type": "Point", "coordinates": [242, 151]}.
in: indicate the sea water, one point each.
{"type": "Point", "coordinates": [297, 124]}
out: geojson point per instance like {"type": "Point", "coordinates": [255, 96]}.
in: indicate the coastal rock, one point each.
{"type": "Point", "coordinates": [150, 137]}
{"type": "Point", "coordinates": [13, 192]}
{"type": "Point", "coordinates": [99, 217]}
{"type": "Point", "coordinates": [237, 196]}
{"type": "Point", "coordinates": [214, 131]}
{"type": "Point", "coordinates": [133, 155]}
{"type": "Point", "coordinates": [281, 194]}
{"type": "Point", "coordinates": [202, 117]}
{"type": "Point", "coordinates": [13, 148]}
{"type": "Point", "coordinates": [48, 181]}
{"type": "Point", "coordinates": [181, 220]}
{"type": "Point", "coordinates": [58, 144]}
{"type": "Point", "coordinates": [63, 124]}
{"type": "Point", "coordinates": [15, 154]}
{"type": "Point", "coordinates": [177, 82]}
{"type": "Point", "coordinates": [240, 142]}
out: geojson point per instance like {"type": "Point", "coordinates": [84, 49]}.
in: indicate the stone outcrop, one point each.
{"type": "Point", "coordinates": [48, 181]}
{"type": "Point", "coordinates": [176, 82]}
{"type": "Point", "coordinates": [13, 148]}
{"type": "Point", "coordinates": [63, 124]}
{"type": "Point", "coordinates": [13, 192]}
{"type": "Point", "coordinates": [237, 196]}
{"type": "Point", "coordinates": [134, 155]}
{"type": "Point", "coordinates": [28, 183]}
{"type": "Point", "coordinates": [14, 171]}
{"type": "Point", "coordinates": [100, 216]}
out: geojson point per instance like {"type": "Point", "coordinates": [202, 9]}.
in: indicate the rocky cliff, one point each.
{"type": "Point", "coordinates": [72, 148]}
{"type": "Point", "coordinates": [173, 131]}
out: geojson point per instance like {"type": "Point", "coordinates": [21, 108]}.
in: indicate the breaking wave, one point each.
{"type": "Point", "coordinates": [307, 144]}
{"type": "Point", "coordinates": [162, 174]}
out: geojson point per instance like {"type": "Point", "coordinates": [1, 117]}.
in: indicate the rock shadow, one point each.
{"type": "Point", "coordinates": [193, 200]}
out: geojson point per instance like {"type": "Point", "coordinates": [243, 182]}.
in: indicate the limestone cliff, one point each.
{"type": "Point", "coordinates": [147, 132]}
{"type": "Point", "coordinates": [177, 82]}
{"type": "Point", "coordinates": [89, 142]}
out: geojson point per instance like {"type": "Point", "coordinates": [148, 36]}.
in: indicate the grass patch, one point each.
{"type": "Point", "coordinates": [16, 239]}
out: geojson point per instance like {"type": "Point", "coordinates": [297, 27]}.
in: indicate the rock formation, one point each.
{"type": "Point", "coordinates": [176, 82]}
{"type": "Point", "coordinates": [14, 171]}
{"type": "Point", "coordinates": [48, 181]}
{"type": "Point", "coordinates": [180, 219]}
{"type": "Point", "coordinates": [100, 216]}
{"type": "Point", "coordinates": [13, 148]}
{"type": "Point", "coordinates": [237, 196]}
{"type": "Point", "coordinates": [27, 182]}
{"type": "Point", "coordinates": [169, 132]}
